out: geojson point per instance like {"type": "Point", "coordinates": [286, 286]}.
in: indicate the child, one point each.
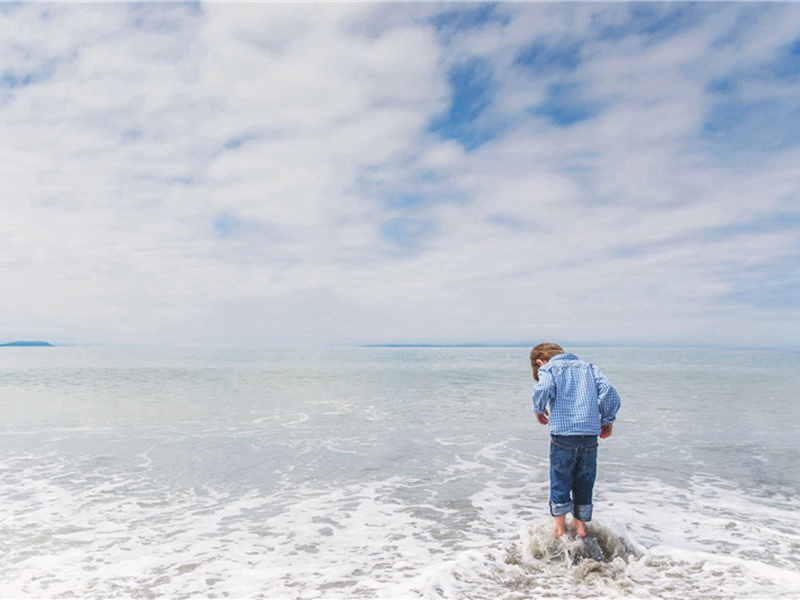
{"type": "Point", "coordinates": [583, 405]}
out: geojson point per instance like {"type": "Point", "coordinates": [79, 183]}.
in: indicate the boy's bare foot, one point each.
{"type": "Point", "coordinates": [580, 528]}
{"type": "Point", "coordinates": [560, 525]}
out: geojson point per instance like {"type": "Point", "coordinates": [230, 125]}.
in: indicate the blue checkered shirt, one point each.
{"type": "Point", "coordinates": [579, 396]}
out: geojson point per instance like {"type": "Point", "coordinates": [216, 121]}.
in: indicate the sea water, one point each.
{"type": "Point", "coordinates": [388, 473]}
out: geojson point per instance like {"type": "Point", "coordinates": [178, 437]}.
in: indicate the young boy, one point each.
{"type": "Point", "coordinates": [583, 405]}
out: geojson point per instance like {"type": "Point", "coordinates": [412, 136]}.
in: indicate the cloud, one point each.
{"type": "Point", "coordinates": [272, 173]}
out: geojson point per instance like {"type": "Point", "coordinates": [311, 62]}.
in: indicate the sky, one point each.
{"type": "Point", "coordinates": [367, 173]}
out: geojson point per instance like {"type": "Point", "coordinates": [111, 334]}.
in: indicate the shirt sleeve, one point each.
{"type": "Point", "coordinates": [543, 392]}
{"type": "Point", "coordinates": [607, 398]}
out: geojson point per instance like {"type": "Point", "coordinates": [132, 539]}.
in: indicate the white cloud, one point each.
{"type": "Point", "coordinates": [266, 173]}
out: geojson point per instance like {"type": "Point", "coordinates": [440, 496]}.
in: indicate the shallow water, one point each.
{"type": "Point", "coordinates": [387, 472]}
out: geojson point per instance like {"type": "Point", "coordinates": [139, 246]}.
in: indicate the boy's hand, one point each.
{"type": "Point", "coordinates": [543, 418]}
{"type": "Point", "coordinates": [606, 430]}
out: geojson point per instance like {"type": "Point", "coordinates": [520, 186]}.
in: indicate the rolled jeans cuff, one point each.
{"type": "Point", "coordinates": [557, 510]}
{"type": "Point", "coordinates": [583, 512]}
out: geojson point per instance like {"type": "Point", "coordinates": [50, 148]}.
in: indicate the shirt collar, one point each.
{"type": "Point", "coordinates": [565, 356]}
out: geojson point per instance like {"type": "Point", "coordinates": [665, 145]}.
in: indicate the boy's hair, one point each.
{"type": "Point", "coordinates": [543, 352]}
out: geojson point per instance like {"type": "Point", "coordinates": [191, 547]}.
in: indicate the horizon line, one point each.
{"type": "Point", "coordinates": [46, 344]}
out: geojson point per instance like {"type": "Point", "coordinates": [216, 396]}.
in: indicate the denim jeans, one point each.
{"type": "Point", "coordinates": [573, 467]}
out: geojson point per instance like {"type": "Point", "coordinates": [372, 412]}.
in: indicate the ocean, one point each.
{"type": "Point", "coordinates": [388, 472]}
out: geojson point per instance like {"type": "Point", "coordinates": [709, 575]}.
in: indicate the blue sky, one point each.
{"type": "Point", "coordinates": [261, 173]}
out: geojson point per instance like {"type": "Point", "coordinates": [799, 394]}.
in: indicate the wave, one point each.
{"type": "Point", "coordinates": [609, 563]}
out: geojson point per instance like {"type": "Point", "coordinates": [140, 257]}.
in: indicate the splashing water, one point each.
{"type": "Point", "coordinates": [601, 558]}
{"type": "Point", "coordinates": [600, 545]}
{"type": "Point", "coordinates": [610, 563]}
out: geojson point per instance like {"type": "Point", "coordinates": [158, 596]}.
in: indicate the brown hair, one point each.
{"type": "Point", "coordinates": [543, 352]}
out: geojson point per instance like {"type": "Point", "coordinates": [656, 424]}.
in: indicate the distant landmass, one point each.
{"type": "Point", "coordinates": [26, 344]}
{"type": "Point", "coordinates": [478, 345]}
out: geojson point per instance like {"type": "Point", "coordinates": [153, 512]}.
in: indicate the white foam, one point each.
{"type": "Point", "coordinates": [704, 539]}
{"type": "Point", "coordinates": [66, 530]}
